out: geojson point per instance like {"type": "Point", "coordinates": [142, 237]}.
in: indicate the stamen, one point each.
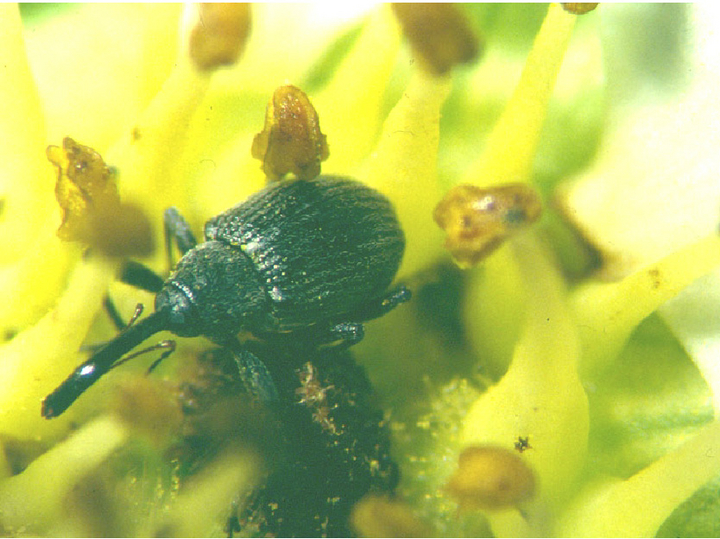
{"type": "Point", "coordinates": [510, 149]}
{"type": "Point", "coordinates": [490, 477]}
{"type": "Point", "coordinates": [219, 36]}
{"type": "Point", "coordinates": [291, 141]}
{"type": "Point", "coordinates": [439, 34]}
{"type": "Point", "coordinates": [92, 212]}
{"type": "Point", "coordinates": [478, 221]}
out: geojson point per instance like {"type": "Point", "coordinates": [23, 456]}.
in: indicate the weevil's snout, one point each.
{"type": "Point", "coordinates": [67, 393]}
{"type": "Point", "coordinates": [100, 363]}
{"type": "Point", "coordinates": [47, 410]}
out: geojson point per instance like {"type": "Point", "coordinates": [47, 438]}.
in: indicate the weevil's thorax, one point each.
{"type": "Point", "coordinates": [214, 291]}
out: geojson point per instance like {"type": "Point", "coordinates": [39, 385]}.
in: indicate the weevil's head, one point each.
{"type": "Point", "coordinates": [182, 317]}
{"type": "Point", "coordinates": [214, 291]}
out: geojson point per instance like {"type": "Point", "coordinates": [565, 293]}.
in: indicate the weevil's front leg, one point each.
{"type": "Point", "coordinates": [352, 331]}
{"type": "Point", "coordinates": [137, 275]}
{"type": "Point", "coordinates": [178, 229]}
{"type": "Point", "coordinates": [140, 276]}
{"type": "Point", "coordinates": [254, 375]}
{"type": "Point", "coordinates": [384, 304]}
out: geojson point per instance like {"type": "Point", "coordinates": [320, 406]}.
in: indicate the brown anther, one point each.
{"type": "Point", "coordinates": [92, 212]}
{"type": "Point", "coordinates": [122, 230]}
{"type": "Point", "coordinates": [322, 416]}
{"type": "Point", "coordinates": [478, 221]}
{"type": "Point", "coordinates": [379, 516]}
{"type": "Point", "coordinates": [491, 477]}
{"type": "Point", "coordinates": [439, 34]}
{"type": "Point", "coordinates": [579, 8]}
{"type": "Point", "coordinates": [220, 35]}
{"type": "Point", "coordinates": [291, 141]}
{"type": "Point", "coordinates": [83, 181]}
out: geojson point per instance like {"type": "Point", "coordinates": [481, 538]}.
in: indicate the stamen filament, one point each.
{"type": "Point", "coordinates": [510, 149]}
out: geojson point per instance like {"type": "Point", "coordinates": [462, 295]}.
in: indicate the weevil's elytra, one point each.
{"type": "Point", "coordinates": [321, 247]}
{"type": "Point", "coordinates": [312, 258]}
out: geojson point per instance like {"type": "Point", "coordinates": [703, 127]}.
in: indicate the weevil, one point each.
{"type": "Point", "coordinates": [302, 262]}
{"type": "Point", "coordinates": [326, 442]}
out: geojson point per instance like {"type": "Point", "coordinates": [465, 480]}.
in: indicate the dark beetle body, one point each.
{"type": "Point", "coordinates": [294, 254]}
{"type": "Point", "coordinates": [306, 257]}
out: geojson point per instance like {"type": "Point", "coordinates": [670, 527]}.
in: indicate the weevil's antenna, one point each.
{"type": "Point", "coordinates": [101, 362]}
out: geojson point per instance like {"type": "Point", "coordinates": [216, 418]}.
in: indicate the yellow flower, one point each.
{"type": "Point", "coordinates": [606, 407]}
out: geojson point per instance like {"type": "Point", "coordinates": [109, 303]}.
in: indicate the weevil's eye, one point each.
{"type": "Point", "coordinates": [478, 221]}
{"type": "Point", "coordinates": [180, 312]}
{"type": "Point", "coordinates": [491, 477]}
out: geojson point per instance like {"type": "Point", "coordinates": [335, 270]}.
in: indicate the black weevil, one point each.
{"type": "Point", "coordinates": [302, 262]}
{"type": "Point", "coordinates": [325, 441]}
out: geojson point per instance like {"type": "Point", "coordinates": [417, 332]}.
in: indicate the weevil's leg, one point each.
{"type": "Point", "coordinates": [347, 333]}
{"type": "Point", "coordinates": [168, 345]}
{"type": "Point", "coordinates": [177, 228]}
{"type": "Point", "coordinates": [117, 320]}
{"type": "Point", "coordinates": [113, 313]}
{"type": "Point", "coordinates": [140, 276]}
{"type": "Point", "coordinates": [384, 304]}
{"type": "Point", "coordinates": [232, 524]}
{"type": "Point", "coordinates": [254, 374]}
